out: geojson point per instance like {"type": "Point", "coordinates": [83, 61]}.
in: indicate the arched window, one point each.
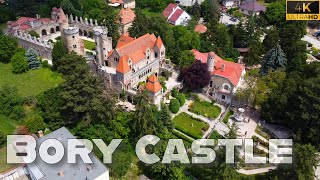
{"type": "Point", "coordinates": [226, 87]}
{"type": "Point", "coordinates": [223, 97]}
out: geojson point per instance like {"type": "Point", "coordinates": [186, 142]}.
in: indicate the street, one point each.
{"type": "Point", "coordinates": [314, 41]}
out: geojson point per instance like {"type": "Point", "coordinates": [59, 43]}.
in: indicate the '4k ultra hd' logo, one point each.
{"type": "Point", "coordinates": [303, 10]}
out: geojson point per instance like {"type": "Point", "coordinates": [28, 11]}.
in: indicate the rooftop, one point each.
{"type": "Point", "coordinates": [153, 84]}
{"type": "Point", "coordinates": [252, 6]}
{"type": "Point", "coordinates": [223, 68]}
{"type": "Point", "coordinates": [44, 171]}
{"type": "Point", "coordinates": [126, 16]}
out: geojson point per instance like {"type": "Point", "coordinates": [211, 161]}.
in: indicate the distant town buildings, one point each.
{"type": "Point", "coordinates": [124, 3]}
{"type": "Point", "coordinates": [40, 170]}
{"type": "Point", "coordinates": [175, 15]}
{"type": "Point", "coordinates": [226, 76]}
{"type": "Point", "coordinates": [251, 7]}
{"type": "Point", "coordinates": [230, 3]}
{"type": "Point", "coordinates": [126, 18]}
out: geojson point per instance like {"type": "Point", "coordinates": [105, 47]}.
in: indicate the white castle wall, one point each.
{"type": "Point", "coordinates": [27, 41]}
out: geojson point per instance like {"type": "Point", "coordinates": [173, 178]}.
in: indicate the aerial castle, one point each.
{"type": "Point", "coordinates": [72, 29]}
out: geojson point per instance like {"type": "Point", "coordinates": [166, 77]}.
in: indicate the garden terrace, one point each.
{"type": "Point", "coordinates": [190, 126]}
{"type": "Point", "coordinates": [205, 108]}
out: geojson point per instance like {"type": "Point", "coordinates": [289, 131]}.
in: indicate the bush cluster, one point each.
{"type": "Point", "coordinates": [174, 105]}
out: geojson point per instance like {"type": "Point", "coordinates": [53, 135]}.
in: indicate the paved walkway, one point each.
{"type": "Point", "coordinates": [256, 171]}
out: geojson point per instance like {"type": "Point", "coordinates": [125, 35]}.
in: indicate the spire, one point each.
{"type": "Point", "coordinates": [62, 17]}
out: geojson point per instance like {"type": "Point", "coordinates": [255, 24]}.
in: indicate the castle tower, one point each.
{"type": "Point", "coordinates": [63, 22]}
{"type": "Point", "coordinates": [72, 40]}
{"type": "Point", "coordinates": [103, 43]}
{"type": "Point", "coordinates": [210, 61]}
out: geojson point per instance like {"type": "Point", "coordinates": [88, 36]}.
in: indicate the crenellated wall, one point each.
{"type": "Point", "coordinates": [27, 41]}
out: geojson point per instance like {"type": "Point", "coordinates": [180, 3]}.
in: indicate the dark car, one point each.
{"type": "Point", "coordinates": [233, 19]}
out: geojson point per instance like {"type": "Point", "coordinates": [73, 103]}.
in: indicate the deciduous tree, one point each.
{"type": "Point", "coordinates": [196, 76]}
{"type": "Point", "coordinates": [19, 63]}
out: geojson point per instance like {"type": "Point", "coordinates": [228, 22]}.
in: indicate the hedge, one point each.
{"type": "Point", "coordinates": [181, 98]}
{"type": "Point", "coordinates": [174, 105]}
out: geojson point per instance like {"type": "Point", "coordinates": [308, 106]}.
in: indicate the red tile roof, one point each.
{"type": "Point", "coordinates": [200, 28]}
{"type": "Point", "coordinates": [123, 40]}
{"type": "Point", "coordinates": [169, 10]}
{"type": "Point", "coordinates": [159, 42]}
{"type": "Point", "coordinates": [231, 71]}
{"type": "Point", "coordinates": [136, 49]}
{"type": "Point", "coordinates": [126, 16]}
{"type": "Point", "coordinates": [176, 15]}
{"type": "Point", "coordinates": [153, 84]}
{"type": "Point", "coordinates": [123, 66]}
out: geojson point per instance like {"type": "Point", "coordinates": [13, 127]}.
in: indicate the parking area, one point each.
{"type": "Point", "coordinates": [227, 19]}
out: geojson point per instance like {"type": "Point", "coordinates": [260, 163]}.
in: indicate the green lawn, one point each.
{"type": "Point", "coordinates": [190, 126]}
{"type": "Point", "coordinates": [89, 45]}
{"type": "Point", "coordinates": [215, 135]}
{"type": "Point", "coordinates": [7, 126]}
{"type": "Point", "coordinates": [30, 83]}
{"type": "Point", "coordinates": [205, 108]}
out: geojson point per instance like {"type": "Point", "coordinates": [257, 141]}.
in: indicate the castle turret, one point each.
{"type": "Point", "coordinates": [63, 22]}
{"type": "Point", "coordinates": [72, 40]}
{"type": "Point", "coordinates": [103, 43]}
{"type": "Point", "coordinates": [210, 61]}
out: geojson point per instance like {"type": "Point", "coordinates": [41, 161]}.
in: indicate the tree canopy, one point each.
{"type": "Point", "coordinates": [196, 76]}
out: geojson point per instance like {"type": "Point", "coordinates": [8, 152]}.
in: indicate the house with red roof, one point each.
{"type": "Point", "coordinates": [175, 15]}
{"type": "Point", "coordinates": [226, 76]}
{"type": "Point", "coordinates": [126, 17]}
{"type": "Point", "coordinates": [136, 61]}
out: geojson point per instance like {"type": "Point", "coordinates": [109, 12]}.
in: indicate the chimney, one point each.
{"type": "Point", "coordinates": [40, 133]}
{"type": "Point", "coordinates": [60, 173]}
{"type": "Point", "coordinates": [222, 67]}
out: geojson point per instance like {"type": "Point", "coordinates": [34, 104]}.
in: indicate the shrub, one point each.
{"type": "Point", "coordinates": [2, 139]}
{"type": "Point", "coordinates": [10, 102]}
{"type": "Point", "coordinates": [35, 123]}
{"type": "Point", "coordinates": [174, 92]}
{"type": "Point", "coordinates": [45, 64]}
{"type": "Point", "coordinates": [19, 63]}
{"type": "Point", "coordinates": [181, 98]}
{"type": "Point", "coordinates": [174, 105]}
{"type": "Point", "coordinates": [33, 33]}
{"type": "Point", "coordinates": [166, 74]}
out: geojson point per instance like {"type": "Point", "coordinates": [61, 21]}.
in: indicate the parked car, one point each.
{"type": "Point", "coordinates": [316, 34]}
{"type": "Point", "coordinates": [233, 19]}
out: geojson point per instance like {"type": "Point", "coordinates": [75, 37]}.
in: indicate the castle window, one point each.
{"type": "Point", "coordinates": [73, 37]}
{"type": "Point", "coordinates": [223, 97]}
{"type": "Point", "coordinates": [116, 59]}
{"type": "Point", "coordinates": [104, 48]}
{"type": "Point", "coordinates": [211, 83]}
{"type": "Point", "coordinates": [226, 87]}
{"type": "Point", "coordinates": [74, 46]}
{"type": "Point", "coordinates": [156, 55]}
{"type": "Point", "coordinates": [162, 52]}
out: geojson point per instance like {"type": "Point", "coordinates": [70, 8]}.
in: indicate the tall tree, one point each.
{"type": "Point", "coordinates": [186, 59]}
{"type": "Point", "coordinates": [144, 116]}
{"type": "Point", "coordinates": [254, 54]}
{"type": "Point", "coordinates": [196, 76]}
{"type": "Point", "coordinates": [32, 57]}
{"type": "Point", "coordinates": [19, 63]}
{"type": "Point", "coordinates": [305, 161]}
{"type": "Point", "coordinates": [165, 117]}
{"type": "Point", "coordinates": [271, 39]}
{"type": "Point", "coordinates": [58, 52]}
{"type": "Point", "coordinates": [83, 94]}
{"type": "Point", "coordinates": [274, 59]}
{"type": "Point", "coordinates": [8, 47]}
{"type": "Point", "coordinates": [210, 10]}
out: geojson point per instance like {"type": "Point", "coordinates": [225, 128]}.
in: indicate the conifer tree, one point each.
{"type": "Point", "coordinates": [32, 57]}
{"type": "Point", "coordinates": [274, 59]}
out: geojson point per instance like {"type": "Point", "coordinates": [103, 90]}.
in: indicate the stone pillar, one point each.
{"type": "Point", "coordinates": [77, 20]}
{"type": "Point", "coordinates": [91, 22]}
{"type": "Point", "coordinates": [96, 22]}
{"type": "Point", "coordinates": [71, 18]}
{"type": "Point", "coordinates": [86, 21]}
{"type": "Point", "coordinates": [81, 20]}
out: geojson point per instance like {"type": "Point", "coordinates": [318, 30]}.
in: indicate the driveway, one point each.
{"type": "Point", "coordinates": [314, 41]}
{"type": "Point", "coordinates": [225, 19]}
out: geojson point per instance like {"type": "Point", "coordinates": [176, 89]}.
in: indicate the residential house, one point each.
{"type": "Point", "coordinates": [124, 3]}
{"type": "Point", "coordinates": [175, 15]}
{"type": "Point", "coordinates": [126, 18]}
{"type": "Point", "coordinates": [40, 170]}
{"type": "Point", "coordinates": [230, 3]}
{"type": "Point", "coordinates": [251, 7]}
{"type": "Point", "coordinates": [226, 76]}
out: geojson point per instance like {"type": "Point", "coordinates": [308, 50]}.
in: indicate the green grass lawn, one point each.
{"type": "Point", "coordinates": [215, 135]}
{"type": "Point", "coordinates": [7, 126]}
{"type": "Point", "coordinates": [190, 126]}
{"type": "Point", "coordinates": [30, 83]}
{"type": "Point", "coordinates": [205, 108]}
{"type": "Point", "coordinates": [89, 45]}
